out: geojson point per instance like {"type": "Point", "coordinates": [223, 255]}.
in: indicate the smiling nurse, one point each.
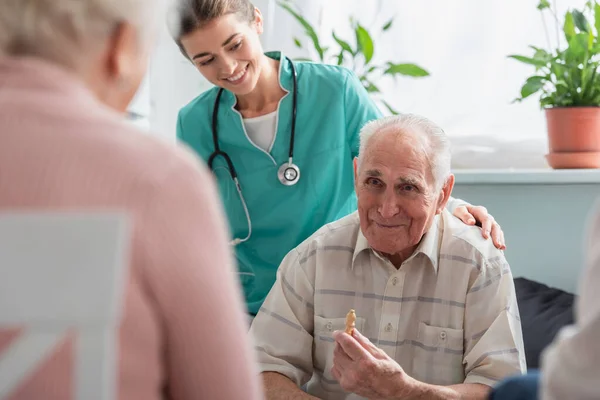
{"type": "Point", "coordinates": [280, 137]}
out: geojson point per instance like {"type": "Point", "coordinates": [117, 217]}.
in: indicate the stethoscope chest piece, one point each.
{"type": "Point", "coordinates": [288, 174]}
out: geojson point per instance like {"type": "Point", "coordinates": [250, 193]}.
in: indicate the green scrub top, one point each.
{"type": "Point", "coordinates": [332, 108]}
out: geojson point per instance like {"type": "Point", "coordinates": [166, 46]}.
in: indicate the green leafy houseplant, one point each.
{"type": "Point", "coordinates": [567, 77]}
{"type": "Point", "coordinates": [569, 85]}
{"type": "Point", "coordinates": [358, 56]}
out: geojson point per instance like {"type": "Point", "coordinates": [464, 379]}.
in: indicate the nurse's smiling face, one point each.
{"type": "Point", "coordinates": [227, 52]}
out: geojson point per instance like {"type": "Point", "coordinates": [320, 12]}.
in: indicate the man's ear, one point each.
{"type": "Point", "coordinates": [445, 194]}
{"type": "Point", "coordinates": [355, 163]}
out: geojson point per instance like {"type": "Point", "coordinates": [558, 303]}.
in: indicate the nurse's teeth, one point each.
{"type": "Point", "coordinates": [237, 77]}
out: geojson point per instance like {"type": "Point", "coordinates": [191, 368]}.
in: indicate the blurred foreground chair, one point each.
{"type": "Point", "coordinates": [60, 274]}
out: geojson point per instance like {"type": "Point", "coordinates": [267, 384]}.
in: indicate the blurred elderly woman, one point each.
{"type": "Point", "coordinates": [68, 70]}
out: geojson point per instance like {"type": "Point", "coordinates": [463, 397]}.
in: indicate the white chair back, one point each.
{"type": "Point", "coordinates": [59, 273]}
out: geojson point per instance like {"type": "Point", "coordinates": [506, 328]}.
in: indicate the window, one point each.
{"type": "Point", "coordinates": [464, 45]}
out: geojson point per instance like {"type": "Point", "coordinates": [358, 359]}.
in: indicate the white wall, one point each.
{"type": "Point", "coordinates": [173, 82]}
{"type": "Point", "coordinates": [544, 216]}
{"type": "Point", "coordinates": [281, 28]}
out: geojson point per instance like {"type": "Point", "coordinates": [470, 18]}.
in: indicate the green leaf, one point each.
{"type": "Point", "coordinates": [310, 31]}
{"type": "Point", "coordinates": [588, 78]}
{"type": "Point", "coordinates": [343, 44]}
{"type": "Point", "coordinates": [541, 54]}
{"type": "Point", "coordinates": [529, 60]}
{"type": "Point", "coordinates": [365, 43]}
{"type": "Point", "coordinates": [389, 107]}
{"type": "Point", "coordinates": [371, 88]}
{"type": "Point", "coordinates": [536, 48]}
{"type": "Point", "coordinates": [340, 57]}
{"type": "Point", "coordinates": [532, 85]}
{"type": "Point", "coordinates": [597, 18]}
{"type": "Point", "coordinates": [373, 68]}
{"type": "Point", "coordinates": [569, 26]}
{"type": "Point", "coordinates": [543, 5]}
{"type": "Point", "coordinates": [577, 51]}
{"type": "Point", "coordinates": [405, 69]}
{"type": "Point", "coordinates": [388, 25]}
{"type": "Point", "coordinates": [551, 102]}
{"type": "Point", "coordinates": [298, 43]}
{"type": "Point", "coordinates": [559, 70]}
{"type": "Point", "coordinates": [580, 21]}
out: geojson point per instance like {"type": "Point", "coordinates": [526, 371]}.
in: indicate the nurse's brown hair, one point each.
{"type": "Point", "coordinates": [190, 15]}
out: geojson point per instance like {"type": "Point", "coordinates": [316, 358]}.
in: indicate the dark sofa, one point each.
{"type": "Point", "coordinates": [544, 311]}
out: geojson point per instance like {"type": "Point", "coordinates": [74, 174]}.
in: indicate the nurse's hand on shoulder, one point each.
{"type": "Point", "coordinates": [472, 215]}
{"type": "Point", "coordinates": [362, 368]}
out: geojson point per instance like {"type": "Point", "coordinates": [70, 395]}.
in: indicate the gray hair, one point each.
{"type": "Point", "coordinates": [62, 30]}
{"type": "Point", "coordinates": [434, 140]}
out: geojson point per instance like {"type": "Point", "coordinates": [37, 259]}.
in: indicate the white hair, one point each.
{"type": "Point", "coordinates": [434, 140]}
{"type": "Point", "coordinates": [63, 30]}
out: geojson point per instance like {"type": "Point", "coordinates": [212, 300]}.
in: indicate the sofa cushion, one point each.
{"type": "Point", "coordinates": [544, 311]}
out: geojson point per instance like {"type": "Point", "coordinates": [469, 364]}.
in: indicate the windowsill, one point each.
{"type": "Point", "coordinates": [526, 176]}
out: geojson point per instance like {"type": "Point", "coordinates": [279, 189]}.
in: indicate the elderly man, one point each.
{"type": "Point", "coordinates": [437, 316]}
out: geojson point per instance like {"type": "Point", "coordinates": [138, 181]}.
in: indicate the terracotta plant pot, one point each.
{"type": "Point", "coordinates": [581, 159]}
{"type": "Point", "coordinates": [573, 130]}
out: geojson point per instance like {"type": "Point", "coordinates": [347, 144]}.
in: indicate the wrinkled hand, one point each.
{"type": "Point", "coordinates": [471, 215]}
{"type": "Point", "coordinates": [362, 368]}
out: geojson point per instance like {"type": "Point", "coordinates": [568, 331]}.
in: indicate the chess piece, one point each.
{"type": "Point", "coordinates": [350, 322]}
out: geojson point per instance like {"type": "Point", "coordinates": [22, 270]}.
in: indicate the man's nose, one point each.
{"type": "Point", "coordinates": [389, 206]}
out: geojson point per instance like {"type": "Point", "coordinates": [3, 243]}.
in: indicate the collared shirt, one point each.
{"type": "Point", "coordinates": [448, 315]}
{"type": "Point", "coordinates": [570, 367]}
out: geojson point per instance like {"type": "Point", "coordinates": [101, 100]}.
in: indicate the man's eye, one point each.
{"type": "Point", "coordinates": [373, 182]}
{"type": "Point", "coordinates": [206, 62]}
{"type": "Point", "coordinates": [409, 188]}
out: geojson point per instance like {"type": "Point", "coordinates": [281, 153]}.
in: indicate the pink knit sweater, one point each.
{"type": "Point", "coordinates": [183, 334]}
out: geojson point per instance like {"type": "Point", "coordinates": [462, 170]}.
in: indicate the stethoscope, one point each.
{"type": "Point", "coordinates": [288, 173]}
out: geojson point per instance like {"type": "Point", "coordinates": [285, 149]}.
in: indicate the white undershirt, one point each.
{"type": "Point", "coordinates": [261, 130]}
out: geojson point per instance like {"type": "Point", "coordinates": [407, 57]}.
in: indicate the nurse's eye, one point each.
{"type": "Point", "coordinates": [206, 62]}
{"type": "Point", "coordinates": [236, 46]}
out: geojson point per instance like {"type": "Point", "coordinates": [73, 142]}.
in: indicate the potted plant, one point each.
{"type": "Point", "coordinates": [567, 79]}
{"type": "Point", "coordinates": [357, 56]}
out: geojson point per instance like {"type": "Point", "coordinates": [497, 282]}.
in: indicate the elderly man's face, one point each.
{"type": "Point", "coordinates": [397, 200]}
